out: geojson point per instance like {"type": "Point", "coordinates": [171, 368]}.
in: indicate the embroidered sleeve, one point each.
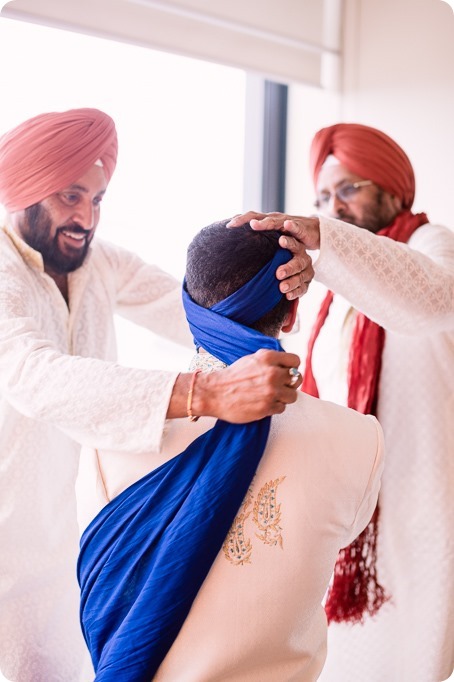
{"type": "Point", "coordinates": [95, 402]}
{"type": "Point", "coordinates": [98, 403]}
{"type": "Point", "coordinates": [408, 289]}
{"type": "Point", "coordinates": [146, 295]}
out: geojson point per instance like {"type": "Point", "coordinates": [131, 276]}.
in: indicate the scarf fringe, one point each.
{"type": "Point", "coordinates": [355, 591]}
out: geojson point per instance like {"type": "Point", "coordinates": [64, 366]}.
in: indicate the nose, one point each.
{"type": "Point", "coordinates": [84, 215]}
{"type": "Point", "coordinates": [335, 207]}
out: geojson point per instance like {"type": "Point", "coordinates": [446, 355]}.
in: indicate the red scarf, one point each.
{"type": "Point", "coordinates": [355, 589]}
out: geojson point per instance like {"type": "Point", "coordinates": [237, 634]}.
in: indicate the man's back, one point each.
{"type": "Point", "coordinates": [258, 615]}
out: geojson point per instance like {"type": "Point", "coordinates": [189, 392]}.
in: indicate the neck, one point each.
{"type": "Point", "coordinates": [61, 280]}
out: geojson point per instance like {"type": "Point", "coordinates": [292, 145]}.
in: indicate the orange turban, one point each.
{"type": "Point", "coordinates": [47, 153]}
{"type": "Point", "coordinates": [369, 153]}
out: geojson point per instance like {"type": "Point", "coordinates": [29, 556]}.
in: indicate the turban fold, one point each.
{"type": "Point", "coordinates": [369, 153]}
{"type": "Point", "coordinates": [47, 153]}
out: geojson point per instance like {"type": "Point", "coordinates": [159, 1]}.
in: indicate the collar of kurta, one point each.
{"type": "Point", "coordinates": [206, 362]}
{"type": "Point", "coordinates": [30, 256]}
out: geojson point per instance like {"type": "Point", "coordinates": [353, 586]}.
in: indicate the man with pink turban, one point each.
{"type": "Point", "coordinates": [61, 386]}
{"type": "Point", "coordinates": [383, 343]}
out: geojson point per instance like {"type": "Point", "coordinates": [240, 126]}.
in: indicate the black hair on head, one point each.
{"type": "Point", "coordinates": [221, 260]}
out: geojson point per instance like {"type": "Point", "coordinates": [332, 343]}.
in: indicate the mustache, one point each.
{"type": "Point", "coordinates": [74, 228]}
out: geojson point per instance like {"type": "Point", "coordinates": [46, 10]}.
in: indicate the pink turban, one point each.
{"type": "Point", "coordinates": [47, 153]}
{"type": "Point", "coordinates": [369, 153]}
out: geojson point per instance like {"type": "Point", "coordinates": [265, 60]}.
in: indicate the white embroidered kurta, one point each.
{"type": "Point", "coordinates": [258, 616]}
{"type": "Point", "coordinates": [59, 387]}
{"type": "Point", "coordinates": [409, 290]}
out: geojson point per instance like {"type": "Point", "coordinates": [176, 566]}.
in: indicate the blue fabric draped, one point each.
{"type": "Point", "coordinates": [144, 557]}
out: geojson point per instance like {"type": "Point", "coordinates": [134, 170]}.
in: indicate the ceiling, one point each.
{"type": "Point", "coordinates": [285, 40]}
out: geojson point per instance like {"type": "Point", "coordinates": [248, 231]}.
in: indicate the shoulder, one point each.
{"type": "Point", "coordinates": [16, 270]}
{"type": "Point", "coordinates": [429, 237]}
{"type": "Point", "coordinates": [9, 254]}
{"type": "Point", "coordinates": [331, 456]}
{"type": "Point", "coordinates": [311, 414]}
{"type": "Point", "coordinates": [337, 436]}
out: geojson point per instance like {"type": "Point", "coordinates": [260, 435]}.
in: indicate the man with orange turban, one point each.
{"type": "Point", "coordinates": [60, 384]}
{"type": "Point", "coordinates": [383, 343]}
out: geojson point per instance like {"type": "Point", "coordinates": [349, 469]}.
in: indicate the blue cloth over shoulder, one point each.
{"type": "Point", "coordinates": [146, 554]}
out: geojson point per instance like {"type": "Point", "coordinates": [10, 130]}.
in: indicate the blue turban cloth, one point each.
{"type": "Point", "coordinates": [145, 556]}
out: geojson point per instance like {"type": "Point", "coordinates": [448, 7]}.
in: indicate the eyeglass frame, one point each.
{"type": "Point", "coordinates": [349, 186]}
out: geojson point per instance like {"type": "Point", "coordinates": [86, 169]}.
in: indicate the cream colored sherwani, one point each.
{"type": "Point", "coordinates": [409, 290]}
{"type": "Point", "coordinates": [60, 387]}
{"type": "Point", "coordinates": [258, 616]}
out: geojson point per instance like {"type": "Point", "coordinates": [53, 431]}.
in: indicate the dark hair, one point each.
{"type": "Point", "coordinates": [220, 260]}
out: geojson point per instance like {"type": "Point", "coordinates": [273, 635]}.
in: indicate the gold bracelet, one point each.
{"type": "Point", "coordinates": [191, 417]}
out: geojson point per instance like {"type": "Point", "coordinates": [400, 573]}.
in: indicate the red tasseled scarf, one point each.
{"type": "Point", "coordinates": [355, 590]}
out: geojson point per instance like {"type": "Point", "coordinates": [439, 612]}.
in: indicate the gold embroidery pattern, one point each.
{"type": "Point", "coordinates": [237, 548]}
{"type": "Point", "coordinates": [267, 514]}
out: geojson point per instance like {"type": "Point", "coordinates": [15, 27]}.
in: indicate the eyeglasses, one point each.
{"type": "Point", "coordinates": [344, 193]}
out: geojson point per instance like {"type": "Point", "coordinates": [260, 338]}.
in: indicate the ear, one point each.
{"type": "Point", "coordinates": [396, 203]}
{"type": "Point", "coordinates": [290, 318]}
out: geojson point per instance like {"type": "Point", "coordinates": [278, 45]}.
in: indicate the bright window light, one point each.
{"type": "Point", "coordinates": [180, 125]}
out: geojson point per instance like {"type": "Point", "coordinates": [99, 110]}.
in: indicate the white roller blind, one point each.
{"type": "Point", "coordinates": [285, 40]}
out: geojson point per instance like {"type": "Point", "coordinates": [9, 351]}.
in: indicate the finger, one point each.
{"type": "Point", "coordinates": [297, 267]}
{"type": "Point", "coordinates": [280, 360]}
{"type": "Point", "coordinates": [298, 291]}
{"type": "Point", "coordinates": [299, 264]}
{"type": "Point", "coordinates": [278, 407]}
{"type": "Point", "coordinates": [295, 378]}
{"type": "Point", "coordinates": [288, 395]}
{"type": "Point", "coordinates": [272, 221]}
{"type": "Point", "coordinates": [276, 365]}
{"type": "Point", "coordinates": [286, 241]}
{"type": "Point", "coordinates": [304, 230]}
{"type": "Point", "coordinates": [295, 286]}
{"type": "Point", "coordinates": [242, 218]}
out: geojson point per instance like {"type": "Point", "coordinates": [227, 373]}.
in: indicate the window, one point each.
{"type": "Point", "coordinates": [180, 124]}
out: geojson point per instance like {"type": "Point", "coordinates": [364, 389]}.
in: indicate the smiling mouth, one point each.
{"type": "Point", "coordinates": [76, 238]}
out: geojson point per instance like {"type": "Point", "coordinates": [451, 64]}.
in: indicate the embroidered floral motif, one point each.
{"type": "Point", "coordinates": [267, 514]}
{"type": "Point", "coordinates": [237, 548]}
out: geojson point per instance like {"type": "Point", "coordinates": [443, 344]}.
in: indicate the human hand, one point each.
{"type": "Point", "coordinates": [254, 387]}
{"type": "Point", "coordinates": [298, 234]}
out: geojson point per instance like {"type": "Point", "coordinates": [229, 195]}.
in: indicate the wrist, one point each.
{"type": "Point", "coordinates": [203, 395]}
{"type": "Point", "coordinates": [189, 406]}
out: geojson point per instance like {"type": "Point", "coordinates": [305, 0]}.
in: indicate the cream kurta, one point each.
{"type": "Point", "coordinates": [409, 290]}
{"type": "Point", "coordinates": [60, 386]}
{"type": "Point", "coordinates": [260, 619]}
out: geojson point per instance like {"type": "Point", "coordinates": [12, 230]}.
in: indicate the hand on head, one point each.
{"type": "Point", "coordinates": [299, 234]}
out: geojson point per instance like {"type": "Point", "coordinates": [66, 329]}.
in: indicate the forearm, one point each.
{"type": "Point", "coordinates": [98, 403]}
{"type": "Point", "coordinates": [402, 289]}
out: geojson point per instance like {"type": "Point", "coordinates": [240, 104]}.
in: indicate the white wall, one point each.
{"type": "Point", "coordinates": [180, 126]}
{"type": "Point", "coordinates": [397, 75]}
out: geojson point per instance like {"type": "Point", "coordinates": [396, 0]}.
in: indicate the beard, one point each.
{"type": "Point", "coordinates": [36, 229]}
{"type": "Point", "coordinates": [376, 216]}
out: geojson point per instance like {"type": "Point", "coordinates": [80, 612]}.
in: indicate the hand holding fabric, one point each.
{"type": "Point", "coordinates": [256, 386]}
